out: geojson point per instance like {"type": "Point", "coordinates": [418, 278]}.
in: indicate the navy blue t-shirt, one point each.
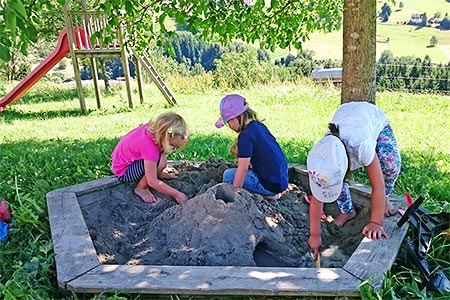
{"type": "Point", "coordinates": [267, 158]}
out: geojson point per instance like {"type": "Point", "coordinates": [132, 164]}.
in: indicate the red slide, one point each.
{"type": "Point", "coordinates": [62, 49]}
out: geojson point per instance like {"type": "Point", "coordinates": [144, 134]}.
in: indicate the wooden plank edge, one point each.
{"type": "Point", "coordinates": [363, 253]}
{"type": "Point", "coordinates": [373, 259]}
{"type": "Point", "coordinates": [86, 187]}
{"type": "Point", "coordinates": [74, 251]}
{"type": "Point", "coordinates": [188, 280]}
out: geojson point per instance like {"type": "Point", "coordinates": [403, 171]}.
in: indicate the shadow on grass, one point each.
{"type": "Point", "coordinates": [30, 169]}
{"type": "Point", "coordinates": [418, 27]}
{"type": "Point", "coordinates": [60, 163]}
{"type": "Point", "coordinates": [54, 94]}
{"type": "Point", "coordinates": [11, 115]}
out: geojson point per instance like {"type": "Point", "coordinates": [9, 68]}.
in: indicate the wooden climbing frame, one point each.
{"type": "Point", "coordinates": [81, 26]}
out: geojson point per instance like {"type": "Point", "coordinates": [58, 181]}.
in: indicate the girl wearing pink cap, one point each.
{"type": "Point", "coordinates": [262, 165]}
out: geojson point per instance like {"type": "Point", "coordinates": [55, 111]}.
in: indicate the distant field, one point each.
{"type": "Point", "coordinates": [430, 7]}
{"type": "Point", "coordinates": [404, 40]}
{"type": "Point", "coordinates": [407, 40]}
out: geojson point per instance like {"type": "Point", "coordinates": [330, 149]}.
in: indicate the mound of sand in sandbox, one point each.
{"type": "Point", "coordinates": [219, 225]}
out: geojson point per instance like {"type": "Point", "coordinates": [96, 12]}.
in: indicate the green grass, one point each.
{"type": "Point", "coordinates": [417, 39]}
{"type": "Point", "coordinates": [325, 46]}
{"type": "Point", "coordinates": [430, 7]}
{"type": "Point", "coordinates": [329, 45]}
{"type": "Point", "coordinates": [48, 143]}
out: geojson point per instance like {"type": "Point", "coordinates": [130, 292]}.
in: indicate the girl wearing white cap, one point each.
{"type": "Point", "coordinates": [262, 166]}
{"type": "Point", "coordinates": [359, 135]}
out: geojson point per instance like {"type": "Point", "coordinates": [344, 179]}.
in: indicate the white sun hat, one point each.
{"type": "Point", "coordinates": [327, 165]}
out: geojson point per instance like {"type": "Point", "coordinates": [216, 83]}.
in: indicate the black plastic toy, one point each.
{"type": "Point", "coordinates": [426, 226]}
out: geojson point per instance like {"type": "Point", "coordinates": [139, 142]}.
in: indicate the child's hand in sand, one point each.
{"type": "Point", "coordinates": [181, 197]}
{"type": "Point", "coordinates": [315, 242]}
{"type": "Point", "coordinates": [167, 175]}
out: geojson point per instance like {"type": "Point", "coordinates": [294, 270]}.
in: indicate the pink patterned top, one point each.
{"type": "Point", "coordinates": [137, 144]}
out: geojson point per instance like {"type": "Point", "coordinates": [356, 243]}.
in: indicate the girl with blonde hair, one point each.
{"type": "Point", "coordinates": [141, 155]}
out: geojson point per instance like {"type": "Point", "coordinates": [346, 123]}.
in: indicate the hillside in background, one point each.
{"type": "Point", "coordinates": [395, 34]}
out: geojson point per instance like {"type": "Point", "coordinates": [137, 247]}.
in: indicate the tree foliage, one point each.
{"type": "Point", "coordinates": [241, 69]}
{"type": "Point", "coordinates": [21, 21]}
{"type": "Point", "coordinates": [411, 73]}
{"type": "Point", "coordinates": [277, 23]}
{"type": "Point", "coordinates": [445, 23]}
{"type": "Point", "coordinates": [282, 23]}
{"type": "Point", "coordinates": [433, 41]}
{"type": "Point", "coordinates": [385, 12]}
{"type": "Point", "coordinates": [188, 49]}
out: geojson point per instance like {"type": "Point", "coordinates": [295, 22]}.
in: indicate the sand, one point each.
{"type": "Point", "coordinates": [219, 225]}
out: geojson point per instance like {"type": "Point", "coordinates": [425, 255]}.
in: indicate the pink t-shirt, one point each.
{"type": "Point", "coordinates": [135, 145]}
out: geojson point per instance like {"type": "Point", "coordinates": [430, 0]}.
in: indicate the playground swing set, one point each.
{"type": "Point", "coordinates": [75, 39]}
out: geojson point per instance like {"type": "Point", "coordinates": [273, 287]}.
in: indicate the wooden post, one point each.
{"type": "Point", "coordinates": [95, 78]}
{"type": "Point", "coordinates": [94, 72]}
{"type": "Point", "coordinates": [126, 68]}
{"type": "Point", "coordinates": [138, 71]}
{"type": "Point", "coordinates": [76, 68]}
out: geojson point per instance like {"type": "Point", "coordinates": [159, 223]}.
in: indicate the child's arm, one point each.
{"type": "Point", "coordinates": [315, 214]}
{"type": "Point", "coordinates": [241, 171]}
{"type": "Point", "coordinates": [374, 230]}
{"type": "Point", "coordinates": [153, 181]}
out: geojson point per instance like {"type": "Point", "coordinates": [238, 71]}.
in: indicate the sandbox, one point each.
{"type": "Point", "coordinates": [222, 241]}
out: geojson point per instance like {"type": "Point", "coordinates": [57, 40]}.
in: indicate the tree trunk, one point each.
{"type": "Point", "coordinates": [359, 51]}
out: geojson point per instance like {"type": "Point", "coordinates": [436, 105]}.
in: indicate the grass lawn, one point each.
{"type": "Point", "coordinates": [48, 143]}
{"type": "Point", "coordinates": [418, 39]}
{"type": "Point", "coordinates": [430, 7]}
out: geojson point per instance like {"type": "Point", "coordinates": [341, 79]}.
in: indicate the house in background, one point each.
{"type": "Point", "coordinates": [416, 19]}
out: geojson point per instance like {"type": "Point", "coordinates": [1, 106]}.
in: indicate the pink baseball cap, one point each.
{"type": "Point", "coordinates": [231, 106]}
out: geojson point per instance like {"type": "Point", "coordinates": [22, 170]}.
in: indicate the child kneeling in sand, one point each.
{"type": "Point", "coordinates": [262, 165]}
{"type": "Point", "coordinates": [141, 155]}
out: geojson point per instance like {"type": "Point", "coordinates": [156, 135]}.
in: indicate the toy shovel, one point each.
{"type": "Point", "coordinates": [317, 261]}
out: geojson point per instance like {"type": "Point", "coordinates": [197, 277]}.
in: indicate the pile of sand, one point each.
{"type": "Point", "coordinates": [219, 225]}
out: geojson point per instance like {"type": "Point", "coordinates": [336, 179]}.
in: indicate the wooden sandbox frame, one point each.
{"type": "Point", "coordinates": [79, 270]}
